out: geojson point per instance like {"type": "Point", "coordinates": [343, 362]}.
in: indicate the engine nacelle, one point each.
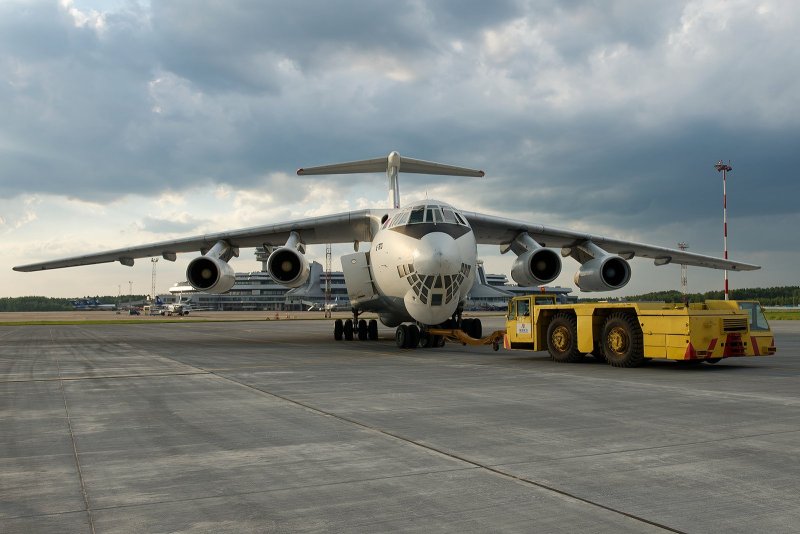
{"type": "Point", "coordinates": [536, 267]}
{"type": "Point", "coordinates": [210, 274]}
{"type": "Point", "coordinates": [603, 273]}
{"type": "Point", "coordinates": [288, 267]}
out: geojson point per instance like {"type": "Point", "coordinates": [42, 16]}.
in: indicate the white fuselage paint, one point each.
{"type": "Point", "coordinates": [426, 268]}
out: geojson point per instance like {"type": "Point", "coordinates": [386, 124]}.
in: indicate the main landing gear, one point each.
{"type": "Point", "coordinates": [355, 327]}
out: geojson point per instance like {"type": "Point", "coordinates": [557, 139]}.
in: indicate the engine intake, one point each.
{"type": "Point", "coordinates": [536, 267]}
{"type": "Point", "coordinates": [288, 267]}
{"type": "Point", "coordinates": [210, 274]}
{"type": "Point", "coordinates": [604, 273]}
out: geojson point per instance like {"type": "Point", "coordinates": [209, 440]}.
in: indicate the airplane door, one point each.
{"type": "Point", "coordinates": [358, 278]}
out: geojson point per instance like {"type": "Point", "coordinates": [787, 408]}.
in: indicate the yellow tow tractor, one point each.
{"type": "Point", "coordinates": [625, 334]}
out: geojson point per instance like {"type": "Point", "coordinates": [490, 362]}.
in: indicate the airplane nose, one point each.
{"type": "Point", "coordinates": [437, 253]}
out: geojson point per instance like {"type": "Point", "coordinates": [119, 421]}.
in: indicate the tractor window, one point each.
{"type": "Point", "coordinates": [512, 312]}
{"type": "Point", "coordinates": [756, 316]}
{"type": "Point", "coordinates": [523, 308]}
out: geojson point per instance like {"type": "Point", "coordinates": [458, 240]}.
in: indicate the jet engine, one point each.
{"type": "Point", "coordinates": [534, 265]}
{"type": "Point", "coordinates": [211, 272]}
{"type": "Point", "coordinates": [287, 265]}
{"type": "Point", "coordinates": [603, 273]}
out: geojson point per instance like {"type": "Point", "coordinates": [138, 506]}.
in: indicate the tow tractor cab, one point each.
{"type": "Point", "coordinates": [625, 334]}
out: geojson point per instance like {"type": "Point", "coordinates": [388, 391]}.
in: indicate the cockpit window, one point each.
{"type": "Point", "coordinates": [426, 214]}
{"type": "Point", "coordinates": [417, 215]}
{"type": "Point", "coordinates": [433, 214]}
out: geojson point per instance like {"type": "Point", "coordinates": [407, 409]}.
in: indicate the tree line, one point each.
{"type": "Point", "coordinates": [767, 296]}
{"type": "Point", "coordinates": [35, 304]}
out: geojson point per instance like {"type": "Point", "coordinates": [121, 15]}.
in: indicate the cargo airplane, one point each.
{"type": "Point", "coordinates": [420, 261]}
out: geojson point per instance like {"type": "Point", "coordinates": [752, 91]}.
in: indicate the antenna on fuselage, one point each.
{"type": "Point", "coordinates": [392, 164]}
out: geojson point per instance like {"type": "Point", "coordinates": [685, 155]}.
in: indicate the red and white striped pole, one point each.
{"type": "Point", "coordinates": [721, 167]}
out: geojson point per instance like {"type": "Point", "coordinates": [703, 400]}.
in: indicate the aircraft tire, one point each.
{"type": "Point", "coordinates": [562, 339]}
{"type": "Point", "coordinates": [413, 336]}
{"type": "Point", "coordinates": [401, 336]}
{"type": "Point", "coordinates": [338, 329]}
{"type": "Point", "coordinates": [348, 330]}
{"type": "Point", "coordinates": [425, 340]}
{"type": "Point", "coordinates": [438, 341]}
{"type": "Point", "coordinates": [622, 340]}
{"type": "Point", "coordinates": [362, 330]}
{"type": "Point", "coordinates": [372, 329]}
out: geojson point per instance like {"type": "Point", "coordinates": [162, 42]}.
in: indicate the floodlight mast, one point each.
{"type": "Point", "coordinates": [684, 279]}
{"type": "Point", "coordinates": [723, 168]}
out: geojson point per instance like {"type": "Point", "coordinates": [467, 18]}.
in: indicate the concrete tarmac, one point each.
{"type": "Point", "coordinates": [275, 427]}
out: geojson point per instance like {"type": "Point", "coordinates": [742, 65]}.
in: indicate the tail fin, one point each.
{"type": "Point", "coordinates": [392, 164]}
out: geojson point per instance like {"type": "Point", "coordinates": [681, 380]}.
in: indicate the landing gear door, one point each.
{"type": "Point", "coordinates": [358, 278]}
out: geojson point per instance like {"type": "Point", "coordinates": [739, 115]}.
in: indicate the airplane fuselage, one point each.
{"type": "Point", "coordinates": [422, 262]}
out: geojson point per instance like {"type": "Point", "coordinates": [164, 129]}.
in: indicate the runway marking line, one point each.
{"type": "Point", "coordinates": [74, 445]}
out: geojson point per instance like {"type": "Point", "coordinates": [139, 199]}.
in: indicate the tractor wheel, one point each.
{"type": "Point", "coordinates": [622, 340]}
{"type": "Point", "coordinates": [562, 339]}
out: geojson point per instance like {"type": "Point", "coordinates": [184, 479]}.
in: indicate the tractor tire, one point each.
{"type": "Point", "coordinates": [622, 340]}
{"type": "Point", "coordinates": [562, 339]}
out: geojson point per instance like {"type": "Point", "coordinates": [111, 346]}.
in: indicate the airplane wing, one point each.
{"type": "Point", "coordinates": [492, 230]}
{"type": "Point", "coordinates": [340, 228]}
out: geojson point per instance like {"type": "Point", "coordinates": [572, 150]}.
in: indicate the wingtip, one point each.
{"type": "Point", "coordinates": [481, 174]}
{"type": "Point", "coordinates": [300, 172]}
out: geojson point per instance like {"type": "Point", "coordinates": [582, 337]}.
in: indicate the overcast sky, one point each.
{"type": "Point", "coordinates": [126, 122]}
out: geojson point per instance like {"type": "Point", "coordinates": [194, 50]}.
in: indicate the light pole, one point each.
{"type": "Point", "coordinates": [154, 261]}
{"type": "Point", "coordinates": [683, 246]}
{"type": "Point", "coordinates": [721, 167]}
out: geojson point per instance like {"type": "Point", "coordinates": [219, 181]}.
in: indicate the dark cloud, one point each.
{"type": "Point", "coordinates": [615, 112]}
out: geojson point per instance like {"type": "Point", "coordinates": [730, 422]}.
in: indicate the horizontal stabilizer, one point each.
{"type": "Point", "coordinates": [419, 166]}
{"type": "Point", "coordinates": [385, 164]}
{"type": "Point", "coordinates": [352, 167]}
{"type": "Point", "coordinates": [392, 165]}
